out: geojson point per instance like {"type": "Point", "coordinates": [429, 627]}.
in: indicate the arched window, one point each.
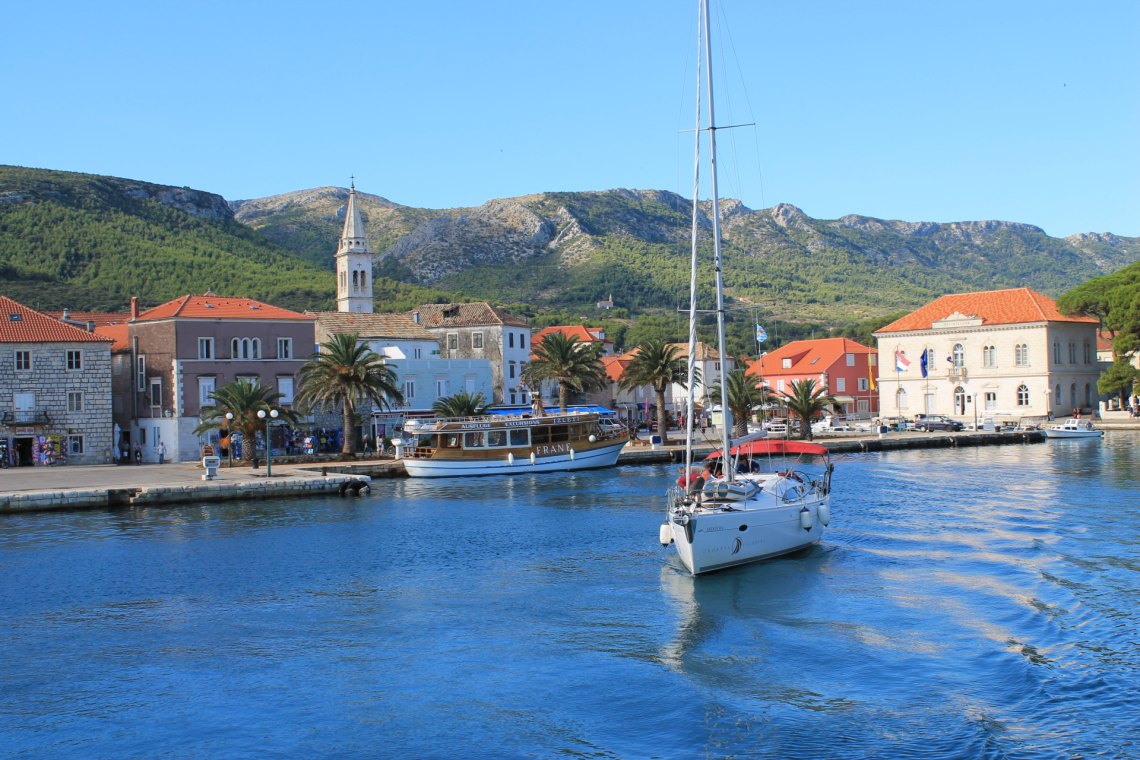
{"type": "Point", "coordinates": [1088, 395]}
{"type": "Point", "coordinates": [355, 283]}
{"type": "Point", "coordinates": [1073, 395]}
{"type": "Point", "coordinates": [1088, 353]}
{"type": "Point", "coordinates": [1072, 352]}
{"type": "Point", "coordinates": [363, 281]}
{"type": "Point", "coordinates": [959, 355]}
{"type": "Point", "coordinates": [1022, 395]}
{"type": "Point", "coordinates": [1021, 355]}
{"type": "Point", "coordinates": [900, 399]}
{"type": "Point", "coordinates": [255, 348]}
{"type": "Point", "coordinates": [989, 356]}
{"type": "Point", "coordinates": [1057, 353]}
{"type": "Point", "coordinates": [1057, 394]}
{"type": "Point", "coordinates": [235, 349]}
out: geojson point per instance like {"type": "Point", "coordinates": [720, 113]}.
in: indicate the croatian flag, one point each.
{"type": "Point", "coordinates": [901, 362]}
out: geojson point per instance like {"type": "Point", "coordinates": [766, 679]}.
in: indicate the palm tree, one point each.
{"type": "Point", "coordinates": [657, 364]}
{"type": "Point", "coordinates": [575, 366]}
{"type": "Point", "coordinates": [461, 404]}
{"type": "Point", "coordinates": [745, 393]}
{"type": "Point", "coordinates": [243, 399]}
{"type": "Point", "coordinates": [344, 373]}
{"type": "Point", "coordinates": [806, 400]}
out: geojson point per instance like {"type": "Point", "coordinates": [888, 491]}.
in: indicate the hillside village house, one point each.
{"type": "Point", "coordinates": [842, 367]}
{"type": "Point", "coordinates": [413, 354]}
{"type": "Point", "coordinates": [182, 350]}
{"type": "Point", "coordinates": [55, 390]}
{"type": "Point", "coordinates": [481, 331]}
{"type": "Point", "coordinates": [991, 353]}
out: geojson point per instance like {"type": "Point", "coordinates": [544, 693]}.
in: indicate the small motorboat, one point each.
{"type": "Point", "coordinates": [1073, 428]}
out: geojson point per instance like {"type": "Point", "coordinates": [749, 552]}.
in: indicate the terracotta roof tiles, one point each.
{"type": "Point", "coordinates": [994, 307]}
{"type": "Point", "coordinates": [808, 357]}
{"type": "Point", "coordinates": [209, 306]}
{"type": "Point", "coordinates": [21, 324]}
{"type": "Point", "coordinates": [400, 326]}
{"type": "Point", "coordinates": [464, 315]}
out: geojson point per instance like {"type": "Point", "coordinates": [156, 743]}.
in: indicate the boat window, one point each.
{"type": "Point", "coordinates": [451, 441]}
{"type": "Point", "coordinates": [540, 435]}
{"type": "Point", "coordinates": [474, 440]}
{"type": "Point", "coordinates": [496, 437]}
{"type": "Point", "coordinates": [520, 437]}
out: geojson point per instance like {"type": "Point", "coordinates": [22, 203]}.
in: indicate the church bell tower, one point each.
{"type": "Point", "coordinates": [353, 263]}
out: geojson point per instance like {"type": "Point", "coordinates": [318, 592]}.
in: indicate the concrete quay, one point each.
{"type": "Point", "coordinates": [28, 489]}
{"type": "Point", "coordinates": [31, 489]}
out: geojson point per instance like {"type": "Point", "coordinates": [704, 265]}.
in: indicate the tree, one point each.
{"type": "Point", "coordinates": [657, 364]}
{"type": "Point", "coordinates": [243, 399]}
{"type": "Point", "coordinates": [1113, 300]}
{"type": "Point", "coordinates": [806, 400]}
{"type": "Point", "coordinates": [344, 373]}
{"type": "Point", "coordinates": [575, 366]}
{"type": "Point", "coordinates": [461, 404]}
{"type": "Point", "coordinates": [745, 393]}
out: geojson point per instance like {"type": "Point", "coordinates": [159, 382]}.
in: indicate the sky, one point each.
{"type": "Point", "coordinates": [919, 111]}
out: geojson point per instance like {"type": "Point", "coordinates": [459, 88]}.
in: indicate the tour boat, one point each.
{"type": "Point", "coordinates": [750, 508]}
{"type": "Point", "coordinates": [1073, 428]}
{"type": "Point", "coordinates": [505, 445]}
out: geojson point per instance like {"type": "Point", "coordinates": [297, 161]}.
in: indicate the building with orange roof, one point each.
{"type": "Point", "coordinates": [844, 368]}
{"type": "Point", "coordinates": [55, 390]}
{"type": "Point", "coordinates": [595, 336]}
{"type": "Point", "coordinates": [184, 349]}
{"type": "Point", "coordinates": [994, 353]}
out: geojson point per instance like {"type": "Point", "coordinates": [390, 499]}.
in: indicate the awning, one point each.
{"type": "Point", "coordinates": [844, 399]}
{"type": "Point", "coordinates": [766, 447]}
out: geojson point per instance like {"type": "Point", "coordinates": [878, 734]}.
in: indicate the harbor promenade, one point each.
{"type": "Point", "coordinates": [25, 489]}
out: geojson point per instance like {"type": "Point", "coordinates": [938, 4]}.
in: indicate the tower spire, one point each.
{"type": "Point", "coordinates": [353, 261]}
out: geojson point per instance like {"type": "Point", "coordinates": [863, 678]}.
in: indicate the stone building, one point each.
{"type": "Point", "coordinates": [1007, 353]}
{"type": "Point", "coordinates": [55, 390]}
{"type": "Point", "coordinates": [482, 331]}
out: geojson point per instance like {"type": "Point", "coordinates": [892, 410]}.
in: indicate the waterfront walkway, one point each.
{"type": "Point", "coordinates": [76, 486]}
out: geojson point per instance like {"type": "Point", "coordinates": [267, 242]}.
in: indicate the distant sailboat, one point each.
{"type": "Point", "coordinates": [763, 498]}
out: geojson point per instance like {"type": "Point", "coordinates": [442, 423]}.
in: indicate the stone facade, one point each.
{"type": "Point", "coordinates": [59, 396]}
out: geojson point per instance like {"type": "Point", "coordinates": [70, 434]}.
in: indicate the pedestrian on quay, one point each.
{"type": "Point", "coordinates": [162, 453]}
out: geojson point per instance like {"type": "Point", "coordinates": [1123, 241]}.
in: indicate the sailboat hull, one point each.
{"type": "Point", "coordinates": [717, 540]}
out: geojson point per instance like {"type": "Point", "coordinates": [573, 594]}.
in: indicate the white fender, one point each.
{"type": "Point", "coordinates": [665, 534]}
{"type": "Point", "coordinates": [510, 457]}
{"type": "Point", "coordinates": [533, 458]}
{"type": "Point", "coordinates": [571, 455]}
{"type": "Point", "coordinates": [805, 518]}
{"type": "Point", "coordinates": [824, 513]}
{"type": "Point", "coordinates": [593, 438]}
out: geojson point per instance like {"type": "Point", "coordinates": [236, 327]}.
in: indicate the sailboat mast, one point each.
{"type": "Point", "coordinates": [693, 261]}
{"type": "Point", "coordinates": [717, 263]}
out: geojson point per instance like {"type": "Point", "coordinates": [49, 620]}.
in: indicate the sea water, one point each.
{"type": "Point", "coordinates": [964, 603]}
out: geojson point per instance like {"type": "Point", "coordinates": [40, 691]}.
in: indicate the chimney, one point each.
{"type": "Point", "coordinates": [416, 317]}
{"type": "Point", "coordinates": [66, 314]}
{"type": "Point", "coordinates": [134, 308]}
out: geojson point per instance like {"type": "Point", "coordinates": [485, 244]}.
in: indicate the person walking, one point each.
{"type": "Point", "coordinates": [161, 453]}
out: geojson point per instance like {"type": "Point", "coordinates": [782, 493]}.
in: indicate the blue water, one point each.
{"type": "Point", "coordinates": [965, 603]}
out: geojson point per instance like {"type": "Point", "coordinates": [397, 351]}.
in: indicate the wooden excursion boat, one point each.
{"type": "Point", "coordinates": [505, 445]}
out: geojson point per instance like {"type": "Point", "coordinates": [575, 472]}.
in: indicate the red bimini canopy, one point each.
{"type": "Point", "coordinates": [767, 448]}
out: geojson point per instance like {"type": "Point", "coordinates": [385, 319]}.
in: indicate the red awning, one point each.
{"type": "Point", "coordinates": [766, 448]}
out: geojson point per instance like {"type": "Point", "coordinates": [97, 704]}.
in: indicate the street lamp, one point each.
{"type": "Point", "coordinates": [268, 419]}
{"type": "Point", "coordinates": [230, 437]}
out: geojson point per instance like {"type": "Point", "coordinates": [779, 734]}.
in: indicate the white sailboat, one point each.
{"type": "Point", "coordinates": [765, 498]}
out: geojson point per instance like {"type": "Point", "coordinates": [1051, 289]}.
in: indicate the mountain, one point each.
{"type": "Point", "coordinates": [90, 242]}
{"type": "Point", "coordinates": [570, 250]}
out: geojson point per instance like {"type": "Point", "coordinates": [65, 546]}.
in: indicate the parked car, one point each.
{"type": "Point", "coordinates": [930, 422]}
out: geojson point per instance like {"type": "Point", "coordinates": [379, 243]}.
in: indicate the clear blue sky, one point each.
{"type": "Point", "coordinates": [1016, 110]}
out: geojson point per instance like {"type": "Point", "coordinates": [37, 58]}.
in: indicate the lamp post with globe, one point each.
{"type": "Point", "coordinates": [268, 417]}
{"type": "Point", "coordinates": [230, 438]}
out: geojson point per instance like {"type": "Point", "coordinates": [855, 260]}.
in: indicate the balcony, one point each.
{"type": "Point", "coordinates": [25, 418]}
{"type": "Point", "coordinates": [958, 374]}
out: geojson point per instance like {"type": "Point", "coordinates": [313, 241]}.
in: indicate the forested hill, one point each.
{"type": "Point", "coordinates": [569, 250]}
{"type": "Point", "coordinates": [90, 242]}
